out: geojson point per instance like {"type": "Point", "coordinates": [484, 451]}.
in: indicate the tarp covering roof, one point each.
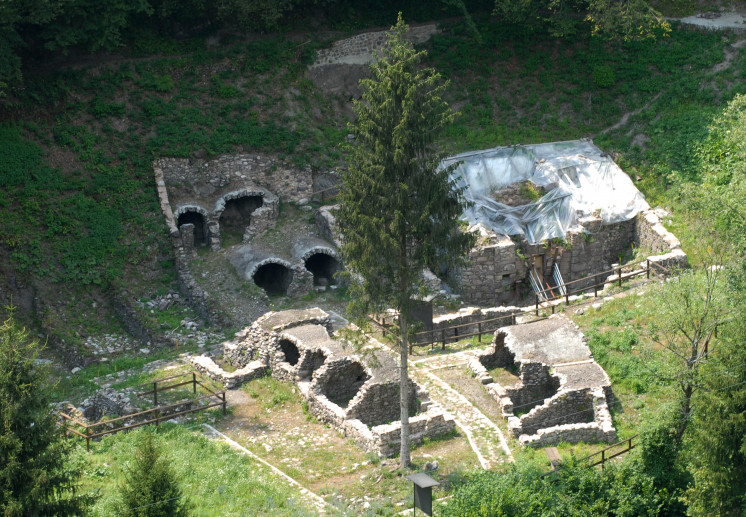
{"type": "Point", "coordinates": [577, 176]}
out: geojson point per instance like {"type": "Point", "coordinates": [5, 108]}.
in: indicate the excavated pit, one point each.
{"type": "Point", "coordinates": [342, 386]}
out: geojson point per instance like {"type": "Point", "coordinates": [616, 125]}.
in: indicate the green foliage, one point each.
{"type": "Point", "coordinates": [718, 442]}
{"type": "Point", "coordinates": [218, 480]}
{"type": "Point", "coordinates": [36, 477]}
{"type": "Point", "coordinates": [150, 488]}
{"type": "Point", "coordinates": [604, 76]}
{"type": "Point", "coordinates": [574, 490]}
{"type": "Point", "coordinates": [624, 21]}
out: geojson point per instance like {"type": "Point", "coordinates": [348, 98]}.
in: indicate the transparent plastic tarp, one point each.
{"type": "Point", "coordinates": [577, 177]}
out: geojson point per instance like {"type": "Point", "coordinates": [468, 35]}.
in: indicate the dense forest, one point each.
{"type": "Point", "coordinates": [91, 93]}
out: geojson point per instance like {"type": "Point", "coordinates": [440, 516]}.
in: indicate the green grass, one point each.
{"type": "Point", "coordinates": [216, 479]}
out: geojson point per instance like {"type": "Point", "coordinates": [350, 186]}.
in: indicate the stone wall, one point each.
{"type": "Point", "coordinates": [359, 49]}
{"type": "Point", "coordinates": [189, 179]}
{"type": "Point", "coordinates": [469, 318]}
{"type": "Point", "coordinates": [230, 380]}
{"type": "Point", "coordinates": [373, 406]}
{"type": "Point", "coordinates": [651, 234]}
{"type": "Point", "coordinates": [493, 270]}
{"type": "Point", "coordinates": [565, 408]}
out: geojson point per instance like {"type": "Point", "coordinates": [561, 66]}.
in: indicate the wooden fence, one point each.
{"type": "Point", "coordinates": [549, 294]}
{"type": "Point", "coordinates": [602, 456]}
{"type": "Point", "coordinates": [151, 416]}
{"type": "Point", "coordinates": [327, 194]}
{"type": "Point", "coordinates": [452, 333]}
{"type": "Point", "coordinates": [597, 458]}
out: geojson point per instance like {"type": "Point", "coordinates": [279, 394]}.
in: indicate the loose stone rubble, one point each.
{"type": "Point", "coordinates": [563, 394]}
{"type": "Point", "coordinates": [357, 393]}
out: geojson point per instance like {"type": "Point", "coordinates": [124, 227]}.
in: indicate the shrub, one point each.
{"type": "Point", "coordinates": [604, 76]}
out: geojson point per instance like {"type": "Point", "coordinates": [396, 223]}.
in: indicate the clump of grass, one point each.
{"type": "Point", "coordinates": [240, 486]}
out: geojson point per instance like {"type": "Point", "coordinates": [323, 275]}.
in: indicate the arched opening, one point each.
{"type": "Point", "coordinates": [200, 228]}
{"type": "Point", "coordinates": [236, 216]}
{"type": "Point", "coordinates": [323, 267]}
{"type": "Point", "coordinates": [273, 278]}
{"type": "Point", "coordinates": [344, 383]}
{"type": "Point", "coordinates": [290, 350]}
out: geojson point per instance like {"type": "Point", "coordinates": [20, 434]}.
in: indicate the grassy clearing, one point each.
{"type": "Point", "coordinates": [217, 480]}
{"type": "Point", "coordinates": [273, 422]}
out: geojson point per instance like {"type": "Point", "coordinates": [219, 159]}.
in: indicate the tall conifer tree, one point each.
{"type": "Point", "coordinates": [399, 211]}
{"type": "Point", "coordinates": [35, 476]}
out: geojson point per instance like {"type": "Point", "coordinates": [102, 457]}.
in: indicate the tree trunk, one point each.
{"type": "Point", "coordinates": [404, 393]}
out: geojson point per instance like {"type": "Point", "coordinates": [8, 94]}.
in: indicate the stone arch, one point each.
{"type": "Point", "coordinates": [273, 275]}
{"type": "Point", "coordinates": [342, 381]}
{"type": "Point", "coordinates": [323, 262]}
{"type": "Point", "coordinates": [197, 216]}
{"type": "Point", "coordinates": [233, 211]}
{"type": "Point", "coordinates": [290, 350]}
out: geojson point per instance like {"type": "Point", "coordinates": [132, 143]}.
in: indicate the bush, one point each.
{"type": "Point", "coordinates": [604, 76]}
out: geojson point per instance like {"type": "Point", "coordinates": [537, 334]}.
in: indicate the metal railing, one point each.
{"type": "Point", "coordinates": [618, 272]}
{"type": "Point", "coordinates": [160, 413]}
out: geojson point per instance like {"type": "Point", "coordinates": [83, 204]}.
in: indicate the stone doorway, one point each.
{"type": "Point", "coordinates": [237, 216]}
{"type": "Point", "coordinates": [200, 228]}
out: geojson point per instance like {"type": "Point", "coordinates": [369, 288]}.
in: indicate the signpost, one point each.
{"type": "Point", "coordinates": [423, 492]}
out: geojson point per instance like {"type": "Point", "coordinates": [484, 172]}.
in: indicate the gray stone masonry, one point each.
{"type": "Point", "coordinates": [358, 49]}
{"type": "Point", "coordinates": [357, 393]}
{"type": "Point", "coordinates": [562, 391]}
{"type": "Point", "coordinates": [467, 316]}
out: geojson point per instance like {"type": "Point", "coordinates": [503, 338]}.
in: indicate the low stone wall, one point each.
{"type": "Point", "coordinates": [650, 233]}
{"type": "Point", "coordinates": [601, 429]}
{"type": "Point", "coordinates": [359, 49]}
{"type": "Point", "coordinates": [230, 380]}
{"type": "Point", "coordinates": [470, 318]}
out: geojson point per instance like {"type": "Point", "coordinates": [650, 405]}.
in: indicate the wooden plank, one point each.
{"type": "Point", "coordinates": [554, 456]}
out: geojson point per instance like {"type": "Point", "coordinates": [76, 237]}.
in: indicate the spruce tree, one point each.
{"type": "Point", "coordinates": [399, 211]}
{"type": "Point", "coordinates": [35, 475]}
{"type": "Point", "coordinates": [150, 488]}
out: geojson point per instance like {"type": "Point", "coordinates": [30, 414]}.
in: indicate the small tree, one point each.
{"type": "Point", "coordinates": [35, 475]}
{"type": "Point", "coordinates": [690, 310]}
{"type": "Point", "coordinates": [150, 488]}
{"type": "Point", "coordinates": [399, 211]}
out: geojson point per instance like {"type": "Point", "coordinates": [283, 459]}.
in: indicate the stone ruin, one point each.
{"type": "Point", "coordinates": [356, 392]}
{"type": "Point", "coordinates": [561, 394]}
{"type": "Point", "coordinates": [231, 201]}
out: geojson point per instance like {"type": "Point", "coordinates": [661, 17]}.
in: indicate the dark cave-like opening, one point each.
{"type": "Point", "coordinates": [323, 267]}
{"type": "Point", "coordinates": [273, 278]}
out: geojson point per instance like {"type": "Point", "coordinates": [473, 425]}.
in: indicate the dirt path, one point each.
{"type": "Point", "coordinates": [483, 434]}
{"type": "Point", "coordinates": [311, 498]}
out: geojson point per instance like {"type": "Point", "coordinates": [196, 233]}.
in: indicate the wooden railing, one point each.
{"type": "Point", "coordinates": [550, 295]}
{"type": "Point", "coordinates": [598, 458]}
{"type": "Point", "coordinates": [327, 194]}
{"type": "Point", "coordinates": [449, 334]}
{"type": "Point", "coordinates": [605, 455]}
{"type": "Point", "coordinates": [151, 416]}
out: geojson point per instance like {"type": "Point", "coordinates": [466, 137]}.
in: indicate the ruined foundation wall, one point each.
{"type": "Point", "coordinates": [650, 233]}
{"type": "Point", "coordinates": [564, 408]}
{"type": "Point", "coordinates": [467, 316]}
{"type": "Point", "coordinates": [373, 406]}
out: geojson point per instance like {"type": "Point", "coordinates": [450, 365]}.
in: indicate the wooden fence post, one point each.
{"type": "Point", "coordinates": [224, 405]}
{"type": "Point", "coordinates": [88, 439]}
{"type": "Point", "coordinates": [194, 382]}
{"type": "Point", "coordinates": [602, 459]}
{"type": "Point", "coordinates": [155, 393]}
{"type": "Point", "coordinates": [443, 337]}
{"type": "Point", "coordinates": [620, 276]}
{"type": "Point", "coordinates": [647, 268]}
{"type": "Point", "coordinates": [479, 329]}
{"type": "Point", "coordinates": [595, 286]}
{"type": "Point", "coordinates": [537, 305]}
